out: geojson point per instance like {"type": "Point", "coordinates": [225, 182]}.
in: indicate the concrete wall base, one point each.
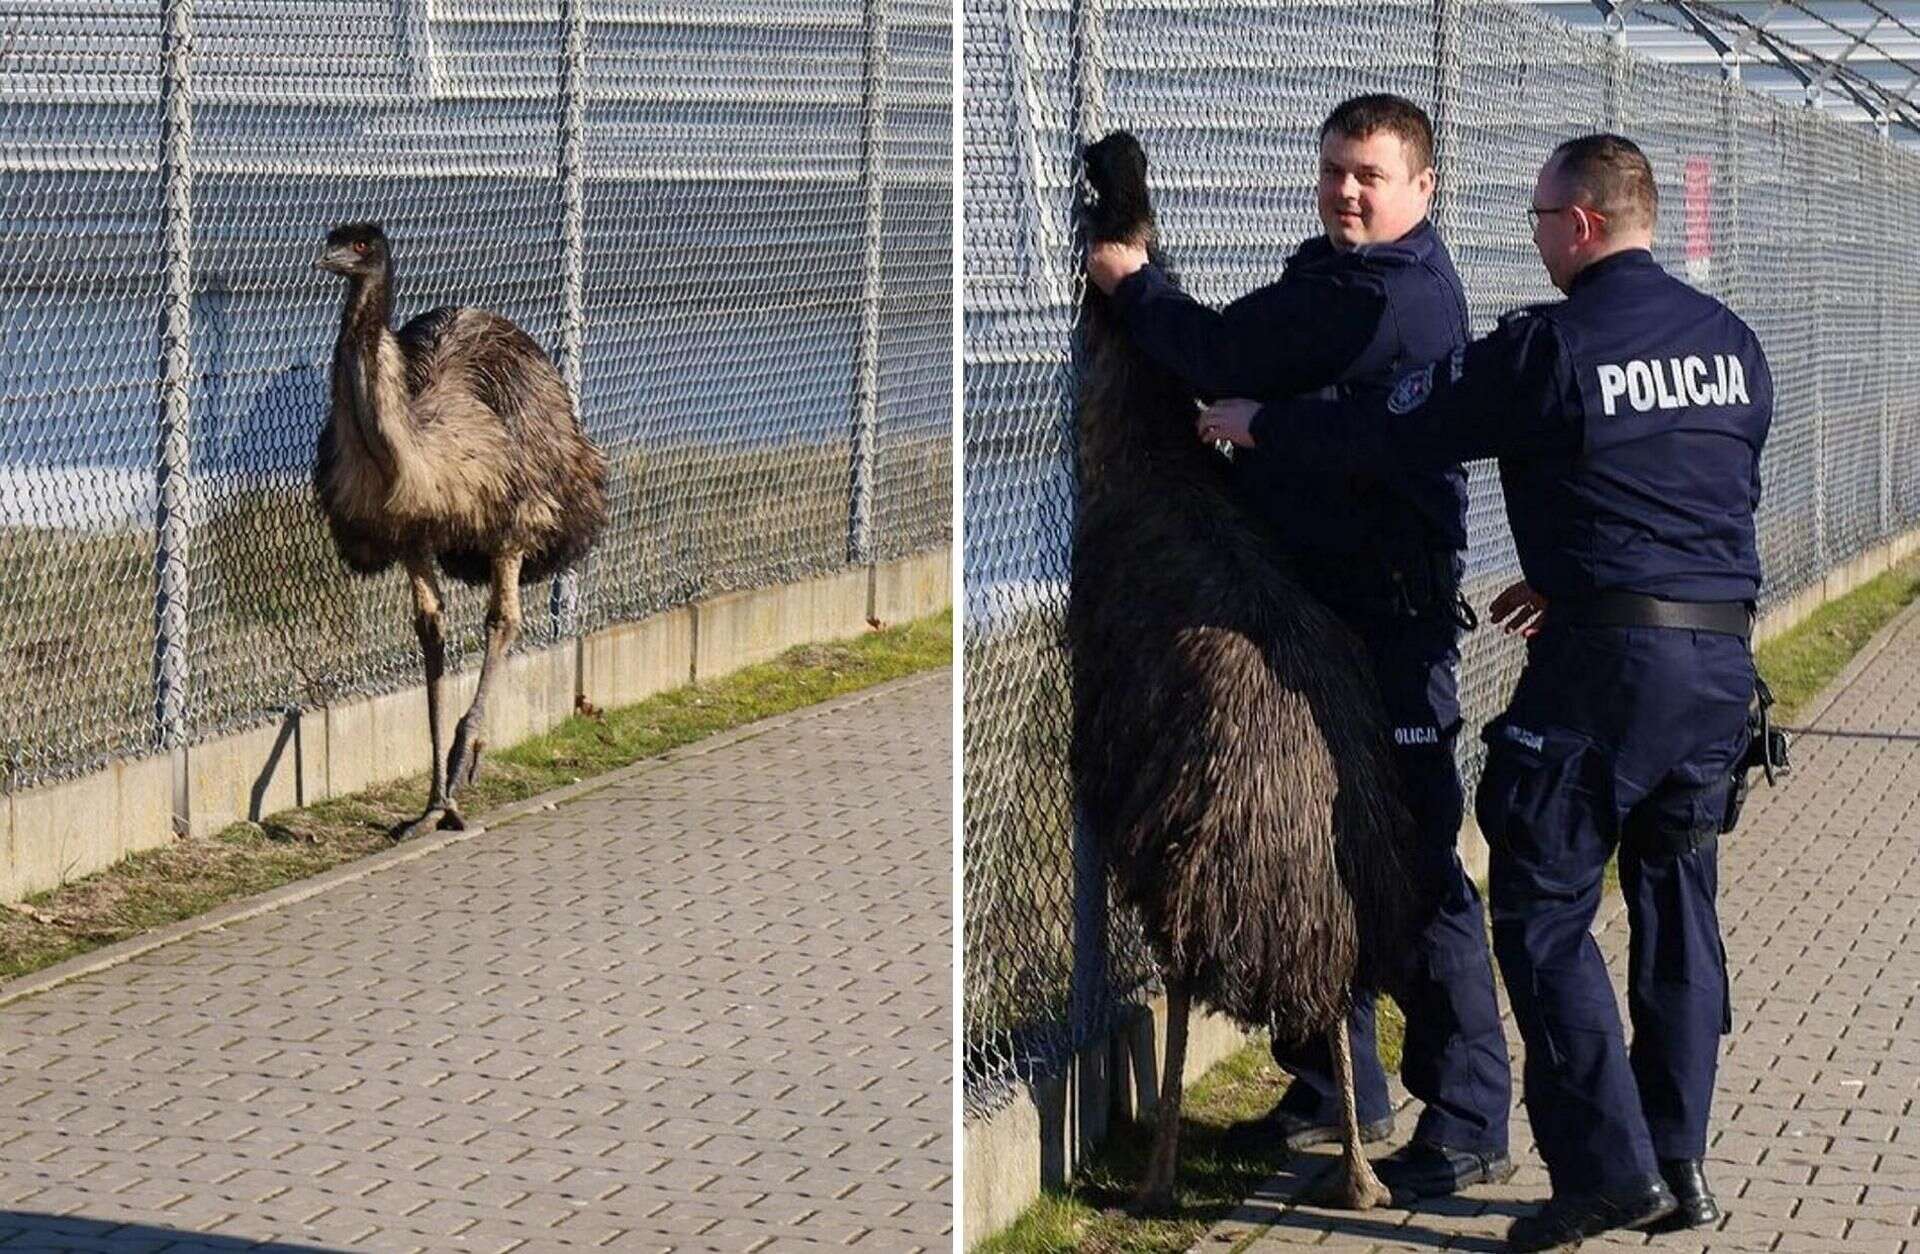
{"type": "Point", "coordinates": [1042, 1137]}
{"type": "Point", "coordinates": [911, 588]}
{"type": "Point", "coordinates": [745, 628]}
{"type": "Point", "coordinates": [1836, 583]}
{"type": "Point", "coordinates": [62, 832]}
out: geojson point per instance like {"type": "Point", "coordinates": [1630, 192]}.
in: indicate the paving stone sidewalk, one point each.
{"type": "Point", "coordinates": [705, 1008]}
{"type": "Point", "coordinates": [1816, 1142]}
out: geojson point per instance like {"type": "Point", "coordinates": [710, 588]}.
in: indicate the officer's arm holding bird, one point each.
{"type": "Point", "coordinates": [1501, 396]}
{"type": "Point", "coordinates": [1249, 348]}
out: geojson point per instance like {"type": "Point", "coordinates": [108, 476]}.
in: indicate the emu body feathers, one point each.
{"type": "Point", "coordinates": [1229, 748]}
{"type": "Point", "coordinates": [455, 436]}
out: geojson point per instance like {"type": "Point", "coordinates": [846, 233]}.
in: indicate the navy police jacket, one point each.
{"type": "Point", "coordinates": [1335, 322]}
{"type": "Point", "coordinates": [1628, 420]}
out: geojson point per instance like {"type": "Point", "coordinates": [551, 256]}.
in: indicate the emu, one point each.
{"type": "Point", "coordinates": [452, 442]}
{"type": "Point", "coordinates": [1229, 750]}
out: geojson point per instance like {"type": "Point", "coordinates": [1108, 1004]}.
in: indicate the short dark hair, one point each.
{"type": "Point", "coordinates": [1364, 115]}
{"type": "Point", "coordinates": [1611, 174]}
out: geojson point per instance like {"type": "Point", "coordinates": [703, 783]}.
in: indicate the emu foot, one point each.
{"type": "Point", "coordinates": [1346, 1185]}
{"type": "Point", "coordinates": [437, 818]}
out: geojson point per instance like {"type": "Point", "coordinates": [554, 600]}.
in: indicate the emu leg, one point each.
{"type": "Point", "coordinates": [1350, 1183]}
{"type": "Point", "coordinates": [429, 625]}
{"type": "Point", "coordinates": [503, 627]}
{"type": "Point", "coordinates": [1156, 1195]}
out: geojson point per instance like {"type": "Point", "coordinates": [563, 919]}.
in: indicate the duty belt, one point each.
{"type": "Point", "coordinates": [1631, 609]}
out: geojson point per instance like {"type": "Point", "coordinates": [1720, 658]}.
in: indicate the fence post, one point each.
{"type": "Point", "coordinates": [1734, 283]}
{"type": "Point", "coordinates": [1446, 116]}
{"type": "Point", "coordinates": [1811, 234]}
{"type": "Point", "coordinates": [1886, 355]}
{"type": "Point", "coordinates": [1616, 73]}
{"type": "Point", "coordinates": [1089, 995]}
{"type": "Point", "coordinates": [173, 522]}
{"type": "Point", "coordinates": [866, 389]}
{"type": "Point", "coordinates": [573, 88]}
{"type": "Point", "coordinates": [416, 45]}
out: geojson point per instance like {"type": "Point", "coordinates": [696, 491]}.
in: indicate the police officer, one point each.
{"type": "Point", "coordinates": [1628, 420]}
{"type": "Point", "coordinates": [1374, 295]}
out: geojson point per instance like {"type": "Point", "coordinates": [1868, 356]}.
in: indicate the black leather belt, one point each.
{"type": "Point", "coordinates": [1631, 609]}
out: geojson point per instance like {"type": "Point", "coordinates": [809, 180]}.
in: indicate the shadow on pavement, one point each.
{"type": "Point", "coordinates": [1273, 1206]}
{"type": "Point", "coordinates": [23, 1231]}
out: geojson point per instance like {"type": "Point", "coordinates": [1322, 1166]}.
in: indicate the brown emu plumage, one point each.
{"type": "Point", "coordinates": [1229, 750]}
{"type": "Point", "coordinates": [451, 444]}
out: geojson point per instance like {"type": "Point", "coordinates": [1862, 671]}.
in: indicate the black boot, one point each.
{"type": "Point", "coordinates": [1422, 1169]}
{"type": "Point", "coordinates": [1283, 1129]}
{"type": "Point", "coordinates": [1565, 1221]}
{"type": "Point", "coordinates": [1695, 1206]}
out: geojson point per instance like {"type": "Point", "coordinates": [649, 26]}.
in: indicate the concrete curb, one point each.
{"type": "Point", "coordinates": [288, 894]}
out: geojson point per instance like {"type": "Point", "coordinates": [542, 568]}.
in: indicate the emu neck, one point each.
{"type": "Point", "coordinates": [370, 396]}
{"type": "Point", "coordinates": [369, 306]}
{"type": "Point", "coordinates": [1135, 422]}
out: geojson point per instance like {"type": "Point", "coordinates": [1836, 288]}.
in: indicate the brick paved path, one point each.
{"type": "Point", "coordinates": [1816, 1143]}
{"type": "Point", "coordinates": [706, 1008]}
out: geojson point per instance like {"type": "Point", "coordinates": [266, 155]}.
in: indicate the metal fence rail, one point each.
{"type": "Point", "coordinates": [729, 224]}
{"type": "Point", "coordinates": [1783, 214]}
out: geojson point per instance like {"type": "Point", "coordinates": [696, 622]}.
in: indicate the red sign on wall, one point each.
{"type": "Point", "coordinates": [1699, 219]}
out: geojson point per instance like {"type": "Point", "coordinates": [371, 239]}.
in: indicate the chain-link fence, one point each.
{"type": "Point", "coordinates": [730, 226]}
{"type": "Point", "coordinates": [1801, 225]}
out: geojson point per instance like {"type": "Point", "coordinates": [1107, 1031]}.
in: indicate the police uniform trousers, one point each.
{"type": "Point", "coordinates": [1617, 738]}
{"type": "Point", "coordinates": [1454, 1057]}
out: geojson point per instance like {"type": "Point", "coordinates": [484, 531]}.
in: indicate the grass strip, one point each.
{"type": "Point", "coordinates": [190, 877]}
{"type": "Point", "coordinates": [1800, 662]}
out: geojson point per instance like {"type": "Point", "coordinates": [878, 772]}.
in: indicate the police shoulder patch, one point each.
{"type": "Point", "coordinates": [1411, 392]}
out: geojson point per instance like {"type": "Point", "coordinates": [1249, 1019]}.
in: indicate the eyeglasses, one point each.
{"type": "Point", "coordinates": [1536, 212]}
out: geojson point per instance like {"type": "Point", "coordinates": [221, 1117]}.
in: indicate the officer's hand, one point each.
{"type": "Point", "coordinates": [1519, 609]}
{"type": "Point", "coordinates": [1109, 261]}
{"type": "Point", "coordinates": [1231, 420]}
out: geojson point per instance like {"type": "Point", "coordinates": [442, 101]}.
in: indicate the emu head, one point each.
{"type": "Point", "coordinates": [1129, 407]}
{"type": "Point", "coordinates": [1113, 200]}
{"type": "Point", "coordinates": [357, 250]}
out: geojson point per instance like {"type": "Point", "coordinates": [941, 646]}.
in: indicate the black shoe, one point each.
{"type": "Point", "coordinates": [1695, 1207]}
{"type": "Point", "coordinates": [1565, 1221]}
{"type": "Point", "coordinates": [1296, 1132]}
{"type": "Point", "coordinates": [1422, 1169]}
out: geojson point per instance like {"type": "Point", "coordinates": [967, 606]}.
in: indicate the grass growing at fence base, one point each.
{"type": "Point", "coordinates": [1797, 664]}
{"type": "Point", "coordinates": [190, 877]}
{"type": "Point", "coordinates": [1090, 1213]}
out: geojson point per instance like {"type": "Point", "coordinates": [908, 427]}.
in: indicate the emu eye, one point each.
{"type": "Point", "coordinates": [360, 246]}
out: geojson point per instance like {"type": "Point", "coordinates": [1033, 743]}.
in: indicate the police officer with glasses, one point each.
{"type": "Point", "coordinates": [1628, 420]}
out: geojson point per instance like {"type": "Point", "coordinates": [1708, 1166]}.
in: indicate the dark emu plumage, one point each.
{"type": "Point", "coordinates": [452, 442]}
{"type": "Point", "coordinates": [1230, 751]}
